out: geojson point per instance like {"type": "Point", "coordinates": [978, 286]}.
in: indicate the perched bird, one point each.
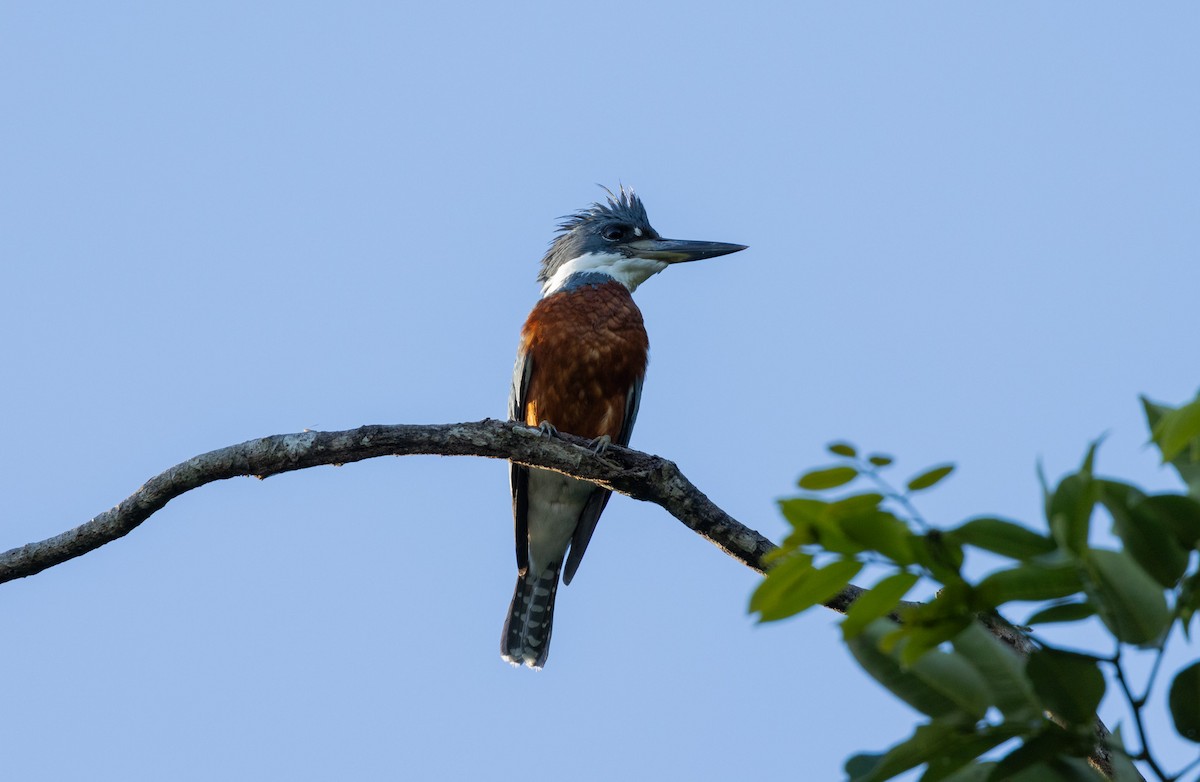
{"type": "Point", "coordinates": [579, 369]}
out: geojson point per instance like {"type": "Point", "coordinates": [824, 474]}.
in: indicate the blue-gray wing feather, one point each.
{"type": "Point", "coordinates": [599, 498]}
{"type": "Point", "coordinates": [518, 476]}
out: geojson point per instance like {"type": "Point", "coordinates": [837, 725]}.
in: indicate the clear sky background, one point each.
{"type": "Point", "coordinates": [973, 236]}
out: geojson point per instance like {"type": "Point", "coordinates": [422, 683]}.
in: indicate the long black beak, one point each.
{"type": "Point", "coordinates": [681, 250]}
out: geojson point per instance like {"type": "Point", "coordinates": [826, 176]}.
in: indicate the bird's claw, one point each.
{"type": "Point", "coordinates": [544, 429]}
{"type": "Point", "coordinates": [600, 444]}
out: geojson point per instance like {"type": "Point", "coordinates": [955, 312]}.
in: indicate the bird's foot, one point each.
{"type": "Point", "coordinates": [600, 444]}
{"type": "Point", "coordinates": [599, 447]}
{"type": "Point", "coordinates": [544, 429]}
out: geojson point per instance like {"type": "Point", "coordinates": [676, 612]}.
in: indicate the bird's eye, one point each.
{"type": "Point", "coordinates": [614, 233]}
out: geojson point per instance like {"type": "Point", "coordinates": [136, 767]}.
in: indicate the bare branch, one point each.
{"type": "Point", "coordinates": [633, 473]}
{"type": "Point", "coordinates": [636, 474]}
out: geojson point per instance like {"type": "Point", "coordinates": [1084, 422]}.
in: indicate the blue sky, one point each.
{"type": "Point", "coordinates": [972, 231]}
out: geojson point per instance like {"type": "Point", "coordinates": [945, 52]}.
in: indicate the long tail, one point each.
{"type": "Point", "coordinates": [526, 637]}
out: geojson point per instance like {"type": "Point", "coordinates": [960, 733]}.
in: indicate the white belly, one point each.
{"type": "Point", "coordinates": [555, 502]}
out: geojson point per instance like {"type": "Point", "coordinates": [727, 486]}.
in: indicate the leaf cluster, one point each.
{"type": "Point", "coordinates": [993, 713]}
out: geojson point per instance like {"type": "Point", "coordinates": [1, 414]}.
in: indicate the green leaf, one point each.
{"type": "Point", "coordinates": [814, 588]}
{"type": "Point", "coordinates": [802, 511]}
{"type": "Point", "coordinates": [881, 531]}
{"type": "Point", "coordinates": [940, 553]}
{"type": "Point", "coordinates": [975, 772]}
{"type": "Point", "coordinates": [858, 767]}
{"type": "Point", "coordinates": [945, 745]}
{"type": "Point", "coordinates": [928, 625]}
{"type": "Point", "coordinates": [1029, 582]}
{"type": "Point", "coordinates": [1047, 495]}
{"type": "Point", "coordinates": [1071, 685]}
{"type": "Point", "coordinates": [930, 477]}
{"type": "Point", "coordinates": [842, 449]}
{"type": "Point", "coordinates": [1130, 602]}
{"type": "Point", "coordinates": [1062, 612]}
{"type": "Point", "coordinates": [1003, 537]}
{"type": "Point", "coordinates": [1071, 513]}
{"type": "Point", "coordinates": [854, 504]}
{"type": "Point", "coordinates": [1003, 669]}
{"type": "Point", "coordinates": [1147, 536]}
{"type": "Point", "coordinates": [1089, 459]}
{"type": "Point", "coordinates": [784, 573]}
{"type": "Point", "coordinates": [1035, 757]}
{"type": "Point", "coordinates": [1184, 699]}
{"type": "Point", "coordinates": [910, 753]}
{"type": "Point", "coordinates": [1070, 510]}
{"type": "Point", "coordinates": [1186, 463]}
{"type": "Point", "coordinates": [827, 478]}
{"type": "Point", "coordinates": [953, 763]}
{"type": "Point", "coordinates": [876, 602]}
{"type": "Point", "coordinates": [811, 524]}
{"type": "Point", "coordinates": [951, 674]}
{"type": "Point", "coordinates": [918, 641]}
{"type": "Point", "coordinates": [1180, 513]}
{"type": "Point", "coordinates": [880, 460]}
{"type": "Point", "coordinates": [1176, 429]}
{"type": "Point", "coordinates": [886, 670]}
{"type": "Point", "coordinates": [817, 588]}
{"type": "Point", "coordinates": [1067, 769]}
{"type": "Point", "coordinates": [1189, 602]}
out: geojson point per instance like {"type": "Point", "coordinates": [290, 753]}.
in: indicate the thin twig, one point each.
{"type": "Point", "coordinates": [1138, 722]}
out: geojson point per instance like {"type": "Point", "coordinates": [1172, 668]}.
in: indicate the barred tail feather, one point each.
{"type": "Point", "coordinates": [526, 637]}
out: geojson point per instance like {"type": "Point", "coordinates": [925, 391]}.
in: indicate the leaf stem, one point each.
{"type": "Point", "coordinates": [1136, 707]}
{"type": "Point", "coordinates": [1158, 658]}
{"type": "Point", "coordinates": [872, 472]}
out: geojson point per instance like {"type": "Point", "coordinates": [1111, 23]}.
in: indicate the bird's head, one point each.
{"type": "Point", "coordinates": [616, 238]}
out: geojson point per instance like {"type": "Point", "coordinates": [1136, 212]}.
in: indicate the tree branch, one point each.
{"type": "Point", "coordinates": [633, 473]}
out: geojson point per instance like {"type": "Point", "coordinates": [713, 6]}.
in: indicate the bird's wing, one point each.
{"type": "Point", "coordinates": [632, 402]}
{"type": "Point", "coordinates": [518, 476]}
{"type": "Point", "coordinates": [599, 498]}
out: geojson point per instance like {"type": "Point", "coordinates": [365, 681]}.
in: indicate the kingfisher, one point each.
{"type": "Point", "coordinates": [580, 364]}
